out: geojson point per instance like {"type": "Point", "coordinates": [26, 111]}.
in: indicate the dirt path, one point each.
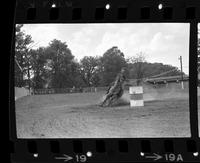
{"type": "Point", "coordinates": [72, 116]}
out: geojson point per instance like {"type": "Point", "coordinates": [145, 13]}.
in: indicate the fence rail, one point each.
{"type": "Point", "coordinates": [68, 90]}
{"type": "Point", "coordinates": [99, 89]}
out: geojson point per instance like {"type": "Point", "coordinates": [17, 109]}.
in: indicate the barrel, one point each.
{"type": "Point", "coordinates": [136, 96]}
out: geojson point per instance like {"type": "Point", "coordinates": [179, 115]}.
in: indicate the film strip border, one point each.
{"type": "Point", "coordinates": [106, 150]}
{"type": "Point", "coordinates": [31, 11]}
{"type": "Point", "coordinates": [99, 150]}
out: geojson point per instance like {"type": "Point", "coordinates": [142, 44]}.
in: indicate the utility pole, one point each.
{"type": "Point", "coordinates": [182, 85]}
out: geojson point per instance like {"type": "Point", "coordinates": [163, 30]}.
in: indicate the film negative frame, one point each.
{"type": "Point", "coordinates": [117, 149]}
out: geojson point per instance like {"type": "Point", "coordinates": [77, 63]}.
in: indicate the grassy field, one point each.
{"type": "Point", "coordinates": [77, 116]}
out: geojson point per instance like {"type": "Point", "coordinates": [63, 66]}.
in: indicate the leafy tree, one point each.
{"type": "Point", "coordinates": [111, 64]}
{"type": "Point", "coordinates": [155, 70]}
{"type": "Point", "coordinates": [137, 67]}
{"type": "Point", "coordinates": [39, 71]}
{"type": "Point", "coordinates": [60, 61]}
{"type": "Point", "coordinates": [140, 69]}
{"type": "Point", "coordinates": [77, 76]}
{"type": "Point", "coordinates": [89, 69]}
{"type": "Point", "coordinates": [22, 56]}
{"type": "Point", "coordinates": [160, 70]}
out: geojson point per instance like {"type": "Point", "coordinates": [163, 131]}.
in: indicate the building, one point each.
{"type": "Point", "coordinates": [168, 79]}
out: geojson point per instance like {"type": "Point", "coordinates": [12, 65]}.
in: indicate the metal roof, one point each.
{"type": "Point", "coordinates": [167, 78]}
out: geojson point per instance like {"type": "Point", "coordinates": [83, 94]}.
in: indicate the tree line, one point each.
{"type": "Point", "coordinates": [54, 66]}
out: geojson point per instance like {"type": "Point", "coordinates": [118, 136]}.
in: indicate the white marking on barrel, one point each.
{"type": "Point", "coordinates": [136, 96]}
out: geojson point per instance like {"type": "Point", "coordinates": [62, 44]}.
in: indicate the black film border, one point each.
{"type": "Point", "coordinates": [121, 11]}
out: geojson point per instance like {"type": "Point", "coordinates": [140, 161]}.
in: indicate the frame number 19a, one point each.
{"type": "Point", "coordinates": [173, 157]}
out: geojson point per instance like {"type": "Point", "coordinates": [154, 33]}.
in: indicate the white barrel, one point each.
{"type": "Point", "coordinates": [136, 96]}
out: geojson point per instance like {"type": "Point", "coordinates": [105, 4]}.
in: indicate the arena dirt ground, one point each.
{"type": "Point", "coordinates": [77, 116]}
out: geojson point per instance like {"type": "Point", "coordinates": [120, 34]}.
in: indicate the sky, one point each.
{"type": "Point", "coordinates": [160, 42]}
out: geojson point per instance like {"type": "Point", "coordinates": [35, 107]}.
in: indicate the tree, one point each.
{"type": "Point", "coordinates": [140, 69]}
{"type": "Point", "coordinates": [159, 69]}
{"type": "Point", "coordinates": [77, 76]}
{"type": "Point", "coordinates": [22, 56]}
{"type": "Point", "coordinates": [137, 67]}
{"type": "Point", "coordinates": [111, 64]}
{"type": "Point", "coordinates": [89, 69]}
{"type": "Point", "coordinates": [60, 61]}
{"type": "Point", "coordinates": [39, 71]}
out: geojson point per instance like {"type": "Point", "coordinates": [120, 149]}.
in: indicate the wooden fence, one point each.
{"type": "Point", "coordinates": [68, 90]}
{"type": "Point", "coordinates": [71, 90]}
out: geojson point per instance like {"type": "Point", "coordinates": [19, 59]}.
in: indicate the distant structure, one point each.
{"type": "Point", "coordinates": [167, 79]}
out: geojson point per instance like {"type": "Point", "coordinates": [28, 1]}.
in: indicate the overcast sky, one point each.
{"type": "Point", "coordinates": [161, 42]}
